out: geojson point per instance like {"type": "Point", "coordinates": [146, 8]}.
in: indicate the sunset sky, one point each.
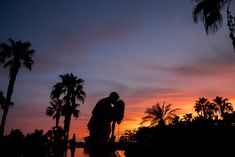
{"type": "Point", "coordinates": [148, 51]}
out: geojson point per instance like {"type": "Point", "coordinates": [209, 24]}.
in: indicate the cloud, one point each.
{"type": "Point", "coordinates": [64, 48]}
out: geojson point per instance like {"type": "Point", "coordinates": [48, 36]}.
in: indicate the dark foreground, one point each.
{"type": "Point", "coordinates": [148, 142]}
{"type": "Point", "coordinates": [190, 142]}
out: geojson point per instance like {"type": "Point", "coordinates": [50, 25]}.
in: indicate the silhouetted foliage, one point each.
{"type": "Point", "coordinates": [222, 106]}
{"type": "Point", "coordinates": [13, 144]}
{"type": "Point", "coordinates": [69, 90]}
{"type": "Point", "coordinates": [35, 144]}
{"type": "Point", "coordinates": [209, 12]}
{"type": "Point", "coordinates": [55, 110]}
{"type": "Point", "coordinates": [128, 137]}
{"type": "Point", "coordinates": [199, 135]}
{"type": "Point", "coordinates": [204, 108]}
{"type": "Point", "coordinates": [17, 145]}
{"type": "Point", "coordinates": [231, 25]}
{"type": "Point", "coordinates": [58, 142]}
{"type": "Point", "coordinates": [159, 115]}
{"type": "Point", "coordinates": [13, 56]}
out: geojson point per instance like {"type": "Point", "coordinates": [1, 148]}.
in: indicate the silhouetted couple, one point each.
{"type": "Point", "coordinates": [107, 112]}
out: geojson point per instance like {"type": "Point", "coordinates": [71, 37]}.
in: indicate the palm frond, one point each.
{"type": "Point", "coordinates": [213, 22]}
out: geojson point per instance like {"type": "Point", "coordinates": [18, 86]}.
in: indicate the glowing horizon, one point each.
{"type": "Point", "coordinates": [78, 127]}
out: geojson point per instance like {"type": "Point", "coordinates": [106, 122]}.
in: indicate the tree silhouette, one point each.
{"type": "Point", "coordinates": [223, 106]}
{"type": "Point", "coordinates": [209, 12]}
{"type": "Point", "coordinates": [13, 56]}
{"type": "Point", "coordinates": [130, 135]}
{"type": "Point", "coordinates": [159, 115]}
{"type": "Point", "coordinates": [55, 110]}
{"type": "Point", "coordinates": [187, 118]}
{"type": "Point", "coordinates": [70, 89]}
{"type": "Point", "coordinates": [176, 120]}
{"type": "Point", "coordinates": [204, 108]}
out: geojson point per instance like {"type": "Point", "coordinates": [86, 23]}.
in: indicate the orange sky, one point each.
{"type": "Point", "coordinates": [131, 120]}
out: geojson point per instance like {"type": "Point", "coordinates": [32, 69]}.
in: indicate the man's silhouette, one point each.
{"type": "Point", "coordinates": [99, 125]}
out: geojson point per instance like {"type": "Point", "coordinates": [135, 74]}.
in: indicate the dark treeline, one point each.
{"type": "Point", "coordinates": [37, 144]}
{"type": "Point", "coordinates": [211, 132]}
{"type": "Point", "coordinates": [16, 144]}
{"type": "Point", "coordinates": [182, 141]}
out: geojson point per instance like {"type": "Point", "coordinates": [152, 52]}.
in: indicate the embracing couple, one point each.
{"type": "Point", "coordinates": [106, 113]}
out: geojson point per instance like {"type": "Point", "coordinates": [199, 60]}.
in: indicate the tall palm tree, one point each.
{"type": "Point", "coordinates": [55, 110]}
{"type": "Point", "coordinates": [159, 115]}
{"type": "Point", "coordinates": [70, 89]}
{"type": "Point", "coordinates": [223, 106]}
{"type": "Point", "coordinates": [209, 12]}
{"type": "Point", "coordinates": [13, 56]}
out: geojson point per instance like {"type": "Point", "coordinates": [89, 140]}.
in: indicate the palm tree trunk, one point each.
{"type": "Point", "coordinates": [67, 123]}
{"type": "Point", "coordinates": [66, 129]}
{"type": "Point", "coordinates": [8, 102]}
{"type": "Point", "coordinates": [57, 121]}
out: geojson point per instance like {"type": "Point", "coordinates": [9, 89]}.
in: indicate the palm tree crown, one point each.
{"type": "Point", "coordinates": [209, 12]}
{"type": "Point", "coordinates": [223, 106]}
{"type": "Point", "coordinates": [55, 110]}
{"type": "Point", "coordinates": [69, 90]}
{"type": "Point", "coordinates": [205, 108]}
{"type": "Point", "coordinates": [159, 115]}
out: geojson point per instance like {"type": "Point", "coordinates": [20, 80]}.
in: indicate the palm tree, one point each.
{"type": "Point", "coordinates": [159, 115]}
{"type": "Point", "coordinates": [204, 108]}
{"type": "Point", "coordinates": [14, 55]}
{"type": "Point", "coordinates": [223, 105]}
{"type": "Point", "coordinates": [55, 110]}
{"type": "Point", "coordinates": [209, 12]}
{"type": "Point", "coordinates": [70, 89]}
{"type": "Point", "coordinates": [188, 117]}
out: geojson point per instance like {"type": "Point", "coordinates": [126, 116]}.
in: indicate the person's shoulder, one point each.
{"type": "Point", "coordinates": [103, 100]}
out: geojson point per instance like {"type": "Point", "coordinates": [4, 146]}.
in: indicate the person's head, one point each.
{"type": "Point", "coordinates": [113, 97]}
{"type": "Point", "coordinates": [120, 103]}
{"type": "Point", "coordinates": [119, 108]}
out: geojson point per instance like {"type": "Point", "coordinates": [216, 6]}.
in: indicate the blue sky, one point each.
{"type": "Point", "coordinates": [147, 50]}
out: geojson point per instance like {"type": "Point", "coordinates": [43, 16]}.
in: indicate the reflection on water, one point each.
{"type": "Point", "coordinates": [79, 152]}
{"type": "Point", "coordinates": [121, 153]}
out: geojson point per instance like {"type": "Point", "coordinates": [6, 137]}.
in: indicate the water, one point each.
{"type": "Point", "coordinates": [79, 152]}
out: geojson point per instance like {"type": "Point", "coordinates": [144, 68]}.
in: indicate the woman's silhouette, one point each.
{"type": "Point", "coordinates": [118, 114]}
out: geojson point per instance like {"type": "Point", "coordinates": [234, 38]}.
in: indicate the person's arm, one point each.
{"type": "Point", "coordinates": [113, 129]}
